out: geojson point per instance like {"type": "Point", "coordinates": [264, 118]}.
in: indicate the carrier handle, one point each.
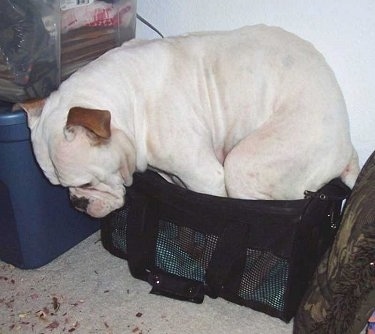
{"type": "Point", "coordinates": [334, 190]}
{"type": "Point", "coordinates": [229, 250]}
{"type": "Point", "coordinates": [176, 287]}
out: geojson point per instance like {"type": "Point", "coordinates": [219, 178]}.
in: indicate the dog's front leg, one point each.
{"type": "Point", "coordinates": [202, 173]}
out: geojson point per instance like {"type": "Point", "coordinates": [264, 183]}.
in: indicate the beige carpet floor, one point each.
{"type": "Point", "coordinates": [88, 290]}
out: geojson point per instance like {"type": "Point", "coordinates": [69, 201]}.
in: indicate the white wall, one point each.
{"type": "Point", "coordinates": [343, 30]}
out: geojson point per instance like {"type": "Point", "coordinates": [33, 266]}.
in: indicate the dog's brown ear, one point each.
{"type": "Point", "coordinates": [96, 121]}
{"type": "Point", "coordinates": [33, 109]}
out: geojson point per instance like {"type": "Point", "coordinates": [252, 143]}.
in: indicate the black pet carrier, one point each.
{"type": "Point", "coordinates": [256, 253]}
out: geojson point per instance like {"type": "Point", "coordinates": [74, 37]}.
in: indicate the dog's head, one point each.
{"type": "Point", "coordinates": [79, 149]}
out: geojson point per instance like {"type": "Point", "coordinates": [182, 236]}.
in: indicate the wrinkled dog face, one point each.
{"type": "Point", "coordinates": [85, 155]}
{"type": "Point", "coordinates": [91, 171]}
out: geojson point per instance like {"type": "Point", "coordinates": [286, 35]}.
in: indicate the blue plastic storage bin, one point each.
{"type": "Point", "coordinates": [37, 221]}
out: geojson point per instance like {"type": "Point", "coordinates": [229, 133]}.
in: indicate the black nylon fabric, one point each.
{"type": "Point", "coordinates": [256, 253]}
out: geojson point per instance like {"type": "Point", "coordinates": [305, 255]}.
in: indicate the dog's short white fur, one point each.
{"type": "Point", "coordinates": [251, 113]}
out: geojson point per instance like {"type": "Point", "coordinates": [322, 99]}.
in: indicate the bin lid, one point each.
{"type": "Point", "coordinates": [9, 117]}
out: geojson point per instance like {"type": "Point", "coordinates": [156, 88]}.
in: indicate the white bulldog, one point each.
{"type": "Point", "coordinates": [253, 113]}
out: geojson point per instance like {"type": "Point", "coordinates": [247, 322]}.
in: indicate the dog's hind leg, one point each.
{"type": "Point", "coordinates": [257, 166]}
{"type": "Point", "coordinates": [281, 161]}
{"type": "Point", "coordinates": [349, 175]}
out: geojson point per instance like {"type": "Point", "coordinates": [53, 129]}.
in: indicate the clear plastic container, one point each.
{"type": "Point", "coordinates": [42, 42]}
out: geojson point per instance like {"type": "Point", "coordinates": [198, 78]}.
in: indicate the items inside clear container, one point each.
{"type": "Point", "coordinates": [42, 42]}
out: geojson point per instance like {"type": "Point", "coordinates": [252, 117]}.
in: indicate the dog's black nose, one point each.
{"type": "Point", "coordinates": [80, 203]}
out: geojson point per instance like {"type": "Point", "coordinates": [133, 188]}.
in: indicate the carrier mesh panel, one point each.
{"type": "Point", "coordinates": [183, 251]}
{"type": "Point", "coordinates": [264, 279]}
{"type": "Point", "coordinates": [119, 228]}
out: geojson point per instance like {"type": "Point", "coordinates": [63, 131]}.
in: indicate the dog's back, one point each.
{"type": "Point", "coordinates": [252, 113]}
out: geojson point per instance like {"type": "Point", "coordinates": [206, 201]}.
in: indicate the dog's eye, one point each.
{"type": "Point", "coordinates": [86, 185]}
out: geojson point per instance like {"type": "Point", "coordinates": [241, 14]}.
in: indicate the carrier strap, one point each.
{"type": "Point", "coordinates": [230, 248]}
{"type": "Point", "coordinates": [140, 235]}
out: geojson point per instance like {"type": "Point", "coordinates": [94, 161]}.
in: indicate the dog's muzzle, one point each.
{"type": "Point", "coordinates": [80, 203]}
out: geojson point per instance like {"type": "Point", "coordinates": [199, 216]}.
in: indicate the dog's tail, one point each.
{"type": "Point", "coordinates": [350, 173]}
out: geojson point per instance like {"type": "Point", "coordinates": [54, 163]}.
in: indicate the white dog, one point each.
{"type": "Point", "coordinates": [252, 113]}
